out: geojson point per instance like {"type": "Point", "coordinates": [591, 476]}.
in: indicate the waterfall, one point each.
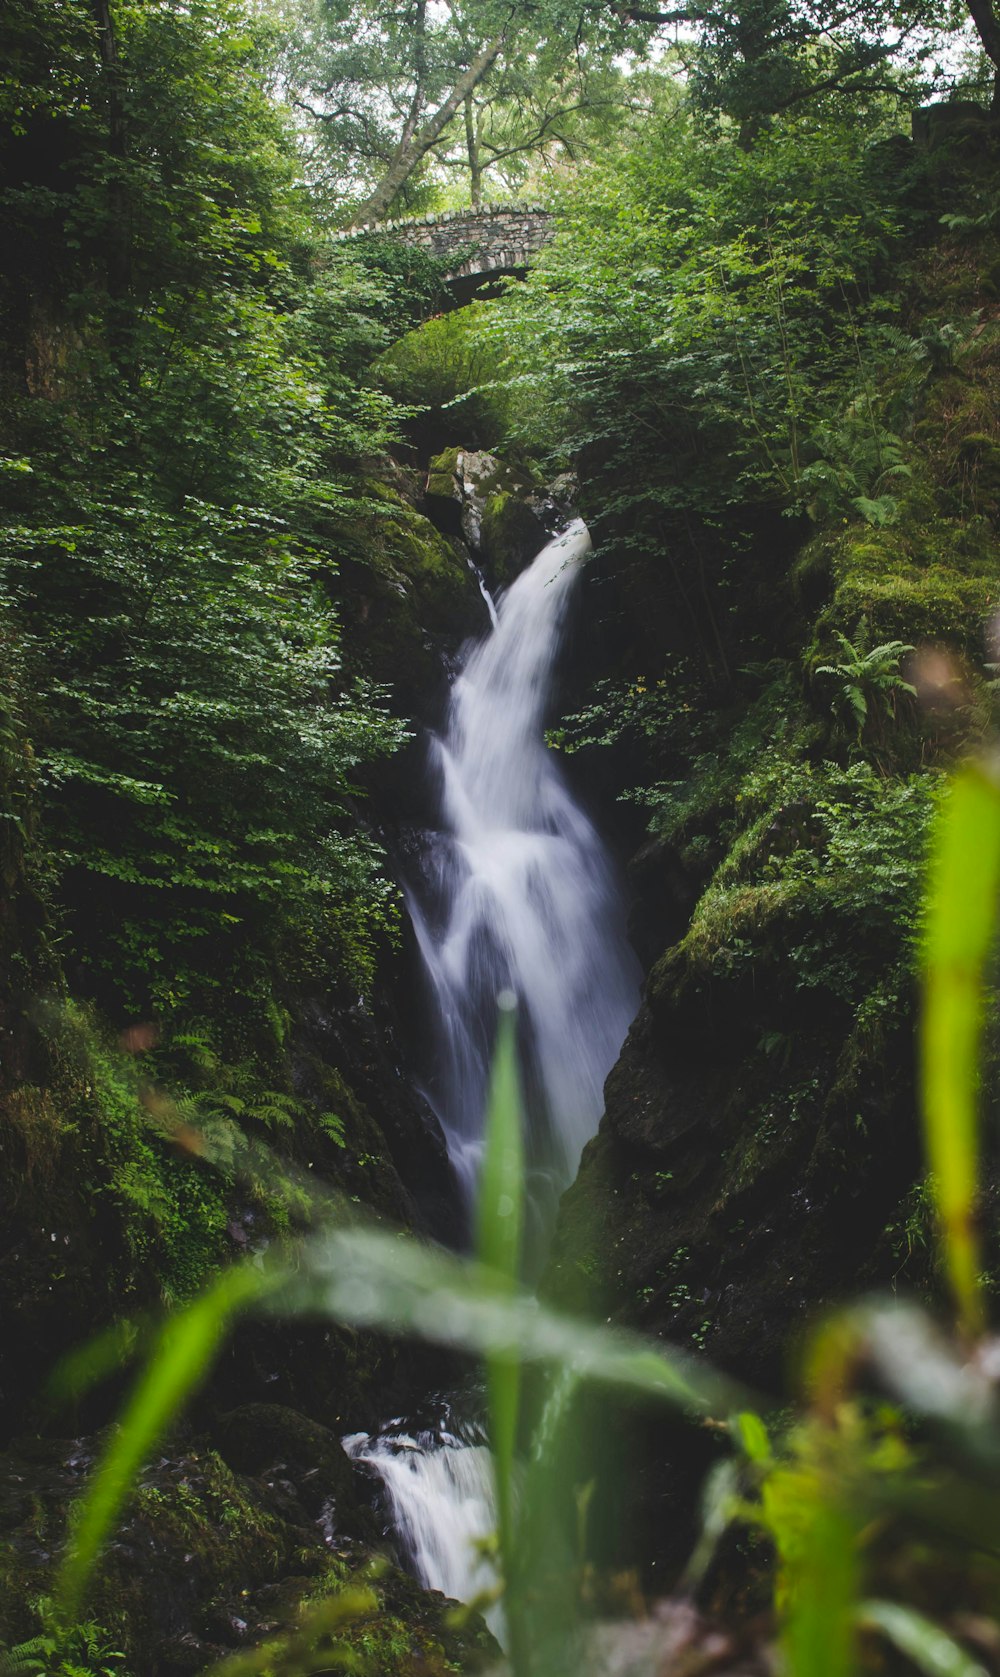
{"type": "Point", "coordinates": [519, 896]}
{"type": "Point", "coordinates": [441, 1499]}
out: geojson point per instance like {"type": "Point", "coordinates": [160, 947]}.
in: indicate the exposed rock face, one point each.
{"type": "Point", "coordinates": [460, 483]}
{"type": "Point", "coordinates": [730, 1193]}
{"type": "Point", "coordinates": [409, 598]}
{"type": "Point", "coordinates": [225, 1543]}
{"type": "Point", "coordinates": [503, 516]}
{"type": "Point", "coordinates": [726, 1197]}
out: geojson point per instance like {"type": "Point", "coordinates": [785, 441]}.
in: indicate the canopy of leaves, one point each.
{"type": "Point", "coordinates": [179, 437]}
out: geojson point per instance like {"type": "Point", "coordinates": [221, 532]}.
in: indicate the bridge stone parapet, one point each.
{"type": "Point", "coordinates": [493, 239]}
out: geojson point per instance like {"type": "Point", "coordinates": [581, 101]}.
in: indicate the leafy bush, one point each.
{"type": "Point", "coordinates": [451, 363]}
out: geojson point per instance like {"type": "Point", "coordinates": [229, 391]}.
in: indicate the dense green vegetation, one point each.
{"type": "Point", "coordinates": [766, 340]}
{"type": "Point", "coordinates": [185, 435]}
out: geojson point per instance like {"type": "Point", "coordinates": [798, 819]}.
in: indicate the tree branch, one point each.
{"type": "Point", "coordinates": [403, 165]}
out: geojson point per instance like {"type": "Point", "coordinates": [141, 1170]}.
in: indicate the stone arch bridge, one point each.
{"type": "Point", "coordinates": [482, 244]}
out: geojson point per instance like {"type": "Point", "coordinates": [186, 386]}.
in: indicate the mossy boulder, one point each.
{"type": "Point", "coordinates": [207, 1560]}
{"type": "Point", "coordinates": [270, 1440]}
{"type": "Point", "coordinates": [409, 598]}
{"type": "Point", "coordinates": [511, 534]}
{"type": "Point", "coordinates": [931, 580]}
{"type": "Point", "coordinates": [461, 482]}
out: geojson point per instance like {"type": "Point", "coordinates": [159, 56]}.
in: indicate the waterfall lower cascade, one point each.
{"type": "Point", "coordinates": [518, 895]}
{"type": "Point", "coordinates": [439, 1486]}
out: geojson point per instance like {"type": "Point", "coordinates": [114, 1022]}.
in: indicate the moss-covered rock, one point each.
{"type": "Point", "coordinates": [934, 579]}
{"type": "Point", "coordinates": [511, 534]}
{"type": "Point", "coordinates": [409, 597]}
{"type": "Point", "coordinates": [462, 482]}
{"type": "Point", "coordinates": [207, 1560]}
{"type": "Point", "coordinates": [270, 1439]}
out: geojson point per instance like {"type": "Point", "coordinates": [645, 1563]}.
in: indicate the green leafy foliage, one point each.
{"type": "Point", "coordinates": [714, 304]}
{"type": "Point", "coordinates": [865, 673]}
{"type": "Point", "coordinates": [196, 421]}
{"type": "Point", "coordinates": [79, 1650]}
{"type": "Point", "coordinates": [449, 363]}
{"type": "Point", "coordinates": [965, 885]}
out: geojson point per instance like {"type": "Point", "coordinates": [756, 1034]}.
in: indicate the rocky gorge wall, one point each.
{"type": "Point", "coordinates": [254, 1509]}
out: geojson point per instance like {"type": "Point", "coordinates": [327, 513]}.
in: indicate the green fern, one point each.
{"type": "Point", "coordinates": [333, 1128]}
{"type": "Point", "coordinates": [866, 674]}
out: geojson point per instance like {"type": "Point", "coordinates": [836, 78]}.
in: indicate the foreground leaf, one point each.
{"type": "Point", "coordinates": [499, 1224]}
{"type": "Point", "coordinates": [186, 1345]}
{"type": "Point", "coordinates": [961, 920]}
{"type": "Point", "coordinates": [930, 1648]}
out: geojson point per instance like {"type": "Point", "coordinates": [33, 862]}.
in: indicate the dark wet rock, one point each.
{"type": "Point", "coordinates": [752, 1153]}
{"type": "Point", "coordinates": [407, 598]}
{"type": "Point", "coordinates": [207, 1559]}
{"type": "Point", "coordinates": [291, 1452]}
{"type": "Point", "coordinates": [406, 1144]}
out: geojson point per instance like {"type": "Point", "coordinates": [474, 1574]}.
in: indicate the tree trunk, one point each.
{"type": "Point", "coordinates": [419, 79]}
{"type": "Point", "coordinates": [406, 160]}
{"type": "Point", "coordinates": [472, 151]}
{"type": "Point", "coordinates": [988, 29]}
{"type": "Point", "coordinates": [119, 261]}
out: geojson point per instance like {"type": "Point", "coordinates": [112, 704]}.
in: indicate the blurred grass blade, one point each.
{"type": "Point", "coordinates": [301, 1651]}
{"type": "Point", "coordinates": [718, 1507]}
{"type": "Point", "coordinates": [961, 915]}
{"type": "Point", "coordinates": [929, 1648]}
{"type": "Point", "coordinates": [556, 1487]}
{"type": "Point", "coordinates": [919, 1366]}
{"type": "Point", "coordinates": [186, 1344]}
{"type": "Point", "coordinates": [372, 1279]}
{"type": "Point", "coordinates": [85, 1367]}
{"type": "Point", "coordinates": [752, 1436]}
{"type": "Point", "coordinates": [500, 1213]}
{"type": "Point", "coordinates": [500, 1216]}
{"type": "Point", "coordinates": [821, 1576]}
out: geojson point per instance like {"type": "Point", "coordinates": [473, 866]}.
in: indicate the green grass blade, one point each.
{"type": "Point", "coordinates": [822, 1583]}
{"type": "Point", "coordinates": [374, 1279]}
{"type": "Point", "coordinates": [500, 1216]}
{"type": "Point", "coordinates": [929, 1648]}
{"type": "Point", "coordinates": [179, 1359]}
{"type": "Point", "coordinates": [500, 1211]}
{"type": "Point", "coordinates": [961, 916]}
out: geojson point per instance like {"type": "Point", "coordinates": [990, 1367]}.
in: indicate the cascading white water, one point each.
{"type": "Point", "coordinates": [441, 1498]}
{"type": "Point", "coordinates": [520, 897]}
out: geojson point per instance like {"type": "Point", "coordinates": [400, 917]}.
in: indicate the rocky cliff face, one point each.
{"type": "Point", "coordinates": [760, 1154]}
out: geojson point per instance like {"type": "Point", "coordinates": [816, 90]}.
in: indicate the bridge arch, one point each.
{"type": "Point", "coordinates": [484, 243]}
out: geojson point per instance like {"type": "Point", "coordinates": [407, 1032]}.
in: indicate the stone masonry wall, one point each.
{"type": "Point", "coordinates": [496, 238]}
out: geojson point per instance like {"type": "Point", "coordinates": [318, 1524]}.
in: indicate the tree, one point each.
{"type": "Point", "coordinates": [765, 57]}
{"type": "Point", "coordinates": [382, 90]}
{"type": "Point", "coordinates": [178, 437]}
{"type": "Point", "coordinates": [530, 117]}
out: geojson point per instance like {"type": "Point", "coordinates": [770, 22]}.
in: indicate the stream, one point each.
{"type": "Point", "coordinates": [518, 894]}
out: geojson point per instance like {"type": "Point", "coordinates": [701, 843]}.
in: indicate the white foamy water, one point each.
{"type": "Point", "coordinates": [442, 1504]}
{"type": "Point", "coordinates": [520, 897]}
